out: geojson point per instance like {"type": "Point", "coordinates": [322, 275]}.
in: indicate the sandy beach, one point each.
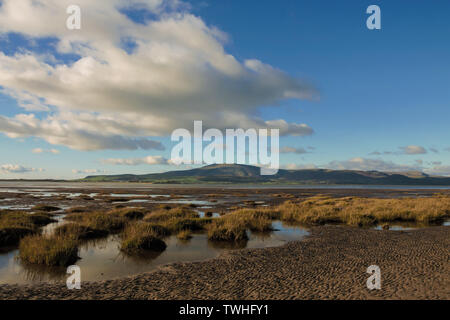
{"type": "Point", "coordinates": [331, 263]}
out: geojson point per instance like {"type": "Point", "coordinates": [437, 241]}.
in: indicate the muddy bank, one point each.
{"type": "Point", "coordinates": [329, 264]}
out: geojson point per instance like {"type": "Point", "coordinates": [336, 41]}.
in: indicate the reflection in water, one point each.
{"type": "Point", "coordinates": [403, 226]}
{"type": "Point", "coordinates": [102, 259]}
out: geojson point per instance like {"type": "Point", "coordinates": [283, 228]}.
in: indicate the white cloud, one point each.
{"type": "Point", "coordinates": [150, 160]}
{"type": "Point", "coordinates": [40, 150]}
{"type": "Point", "coordinates": [294, 166]}
{"type": "Point", "coordinates": [408, 150]}
{"type": "Point", "coordinates": [177, 72]}
{"type": "Point", "coordinates": [293, 150]}
{"type": "Point", "coordinates": [364, 164]}
{"type": "Point", "coordinates": [87, 171]}
{"type": "Point", "coordinates": [441, 170]}
{"type": "Point", "coordinates": [411, 150]}
{"type": "Point", "coordinates": [16, 168]}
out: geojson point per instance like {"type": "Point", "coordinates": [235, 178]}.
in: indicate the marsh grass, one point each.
{"type": "Point", "coordinates": [103, 221]}
{"type": "Point", "coordinates": [366, 211]}
{"type": "Point", "coordinates": [129, 213]}
{"type": "Point", "coordinates": [227, 230]}
{"type": "Point", "coordinates": [15, 225]}
{"type": "Point", "coordinates": [178, 219]}
{"type": "Point", "coordinates": [164, 215]}
{"type": "Point", "coordinates": [184, 235]}
{"type": "Point", "coordinates": [48, 250]}
{"type": "Point", "coordinates": [79, 232]}
{"type": "Point", "coordinates": [141, 236]}
{"type": "Point", "coordinates": [77, 210]}
{"type": "Point", "coordinates": [45, 208]}
{"type": "Point", "coordinates": [234, 225]}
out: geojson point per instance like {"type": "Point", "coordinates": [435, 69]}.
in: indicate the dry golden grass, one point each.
{"type": "Point", "coordinates": [141, 236]}
{"type": "Point", "coordinates": [100, 220]}
{"type": "Point", "coordinates": [366, 211]}
{"type": "Point", "coordinates": [162, 215]}
{"type": "Point", "coordinates": [233, 230]}
{"type": "Point", "coordinates": [45, 208]}
{"type": "Point", "coordinates": [184, 235]}
{"type": "Point", "coordinates": [254, 219]}
{"type": "Point", "coordinates": [178, 219]}
{"type": "Point", "coordinates": [48, 250]}
{"type": "Point", "coordinates": [14, 225]}
{"type": "Point", "coordinates": [79, 231]}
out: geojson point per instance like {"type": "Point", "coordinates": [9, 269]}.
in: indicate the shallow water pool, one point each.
{"type": "Point", "coordinates": [102, 259]}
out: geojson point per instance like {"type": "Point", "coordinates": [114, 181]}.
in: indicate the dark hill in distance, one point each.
{"type": "Point", "coordinates": [249, 174]}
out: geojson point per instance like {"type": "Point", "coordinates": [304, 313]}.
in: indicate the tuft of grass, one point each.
{"type": "Point", "coordinates": [77, 210]}
{"type": "Point", "coordinates": [49, 251]}
{"type": "Point", "coordinates": [45, 208]}
{"type": "Point", "coordinates": [79, 232]}
{"type": "Point", "coordinates": [184, 235]}
{"type": "Point", "coordinates": [99, 220]}
{"type": "Point", "coordinates": [41, 219]}
{"type": "Point", "coordinates": [141, 236]}
{"type": "Point", "coordinates": [14, 225]}
{"type": "Point", "coordinates": [176, 225]}
{"type": "Point", "coordinates": [227, 230]}
{"type": "Point", "coordinates": [163, 215]}
{"type": "Point", "coordinates": [129, 213]}
{"type": "Point", "coordinates": [254, 219]}
{"type": "Point", "coordinates": [178, 219]}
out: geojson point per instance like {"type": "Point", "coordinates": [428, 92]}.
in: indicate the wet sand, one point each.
{"type": "Point", "coordinates": [329, 264]}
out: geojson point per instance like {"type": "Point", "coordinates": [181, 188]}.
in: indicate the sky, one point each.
{"type": "Point", "coordinates": [105, 99]}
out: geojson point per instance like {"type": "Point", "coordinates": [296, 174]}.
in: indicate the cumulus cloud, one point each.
{"type": "Point", "coordinates": [87, 171]}
{"type": "Point", "coordinates": [114, 97]}
{"type": "Point", "coordinates": [295, 166]}
{"type": "Point", "coordinates": [16, 168]}
{"type": "Point", "coordinates": [434, 150]}
{"type": "Point", "coordinates": [441, 170]}
{"type": "Point", "coordinates": [293, 150]}
{"type": "Point", "coordinates": [151, 160]}
{"type": "Point", "coordinates": [411, 150]}
{"type": "Point", "coordinates": [408, 150]}
{"type": "Point", "coordinates": [40, 150]}
{"type": "Point", "coordinates": [364, 164]}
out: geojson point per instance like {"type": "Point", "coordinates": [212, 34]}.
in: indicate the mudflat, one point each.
{"type": "Point", "coordinates": [331, 263]}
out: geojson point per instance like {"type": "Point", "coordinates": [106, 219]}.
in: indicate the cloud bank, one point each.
{"type": "Point", "coordinates": [132, 81]}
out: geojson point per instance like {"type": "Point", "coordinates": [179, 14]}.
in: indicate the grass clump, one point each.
{"type": "Point", "coordinates": [227, 230]}
{"type": "Point", "coordinates": [176, 225]}
{"type": "Point", "coordinates": [141, 236]}
{"type": "Point", "coordinates": [49, 251]}
{"type": "Point", "coordinates": [79, 232]}
{"type": "Point", "coordinates": [129, 213]}
{"type": "Point", "coordinates": [14, 225]}
{"type": "Point", "coordinates": [77, 210]}
{"type": "Point", "coordinates": [45, 208]}
{"type": "Point", "coordinates": [163, 215]}
{"type": "Point", "coordinates": [109, 222]}
{"type": "Point", "coordinates": [41, 219]}
{"type": "Point", "coordinates": [178, 219]}
{"type": "Point", "coordinates": [184, 235]}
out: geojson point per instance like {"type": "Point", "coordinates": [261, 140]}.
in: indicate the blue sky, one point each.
{"type": "Point", "coordinates": [383, 96]}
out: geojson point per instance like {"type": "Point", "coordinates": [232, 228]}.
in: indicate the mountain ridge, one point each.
{"type": "Point", "coordinates": [236, 173]}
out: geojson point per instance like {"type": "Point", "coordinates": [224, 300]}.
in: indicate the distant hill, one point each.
{"type": "Point", "coordinates": [249, 174]}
